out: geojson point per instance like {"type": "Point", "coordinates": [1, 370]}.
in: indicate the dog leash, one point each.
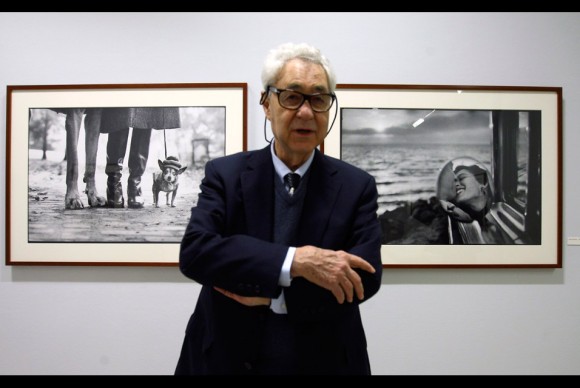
{"type": "Point", "coordinates": [165, 143]}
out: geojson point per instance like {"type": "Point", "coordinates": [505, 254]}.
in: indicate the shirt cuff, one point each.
{"type": "Point", "coordinates": [278, 305]}
{"type": "Point", "coordinates": [285, 278]}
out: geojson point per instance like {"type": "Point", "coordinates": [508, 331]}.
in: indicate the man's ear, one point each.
{"type": "Point", "coordinates": [265, 102]}
{"type": "Point", "coordinates": [263, 97]}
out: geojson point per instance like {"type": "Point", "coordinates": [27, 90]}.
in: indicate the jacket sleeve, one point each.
{"type": "Point", "coordinates": [216, 251]}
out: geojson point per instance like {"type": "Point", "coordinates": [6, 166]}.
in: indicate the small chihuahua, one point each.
{"type": "Point", "coordinates": [167, 179]}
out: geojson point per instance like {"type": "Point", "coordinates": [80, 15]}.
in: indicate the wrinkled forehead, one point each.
{"type": "Point", "coordinates": [298, 74]}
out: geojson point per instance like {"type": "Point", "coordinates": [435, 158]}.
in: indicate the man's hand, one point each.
{"type": "Point", "coordinates": [333, 270]}
{"type": "Point", "coordinates": [455, 211]}
{"type": "Point", "coordinates": [250, 301]}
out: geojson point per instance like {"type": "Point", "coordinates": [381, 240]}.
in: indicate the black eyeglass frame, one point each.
{"type": "Point", "coordinates": [305, 97]}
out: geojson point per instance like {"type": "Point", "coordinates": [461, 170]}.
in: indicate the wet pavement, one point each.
{"type": "Point", "coordinates": [49, 221]}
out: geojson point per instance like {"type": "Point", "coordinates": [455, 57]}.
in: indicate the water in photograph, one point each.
{"type": "Point", "coordinates": [407, 172]}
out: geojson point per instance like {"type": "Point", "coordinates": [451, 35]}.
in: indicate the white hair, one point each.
{"type": "Point", "coordinates": [280, 55]}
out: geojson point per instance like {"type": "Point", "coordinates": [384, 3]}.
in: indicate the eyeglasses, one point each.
{"type": "Point", "coordinates": [293, 100]}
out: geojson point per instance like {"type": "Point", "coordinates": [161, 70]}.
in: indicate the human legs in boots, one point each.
{"type": "Point", "coordinates": [138, 156]}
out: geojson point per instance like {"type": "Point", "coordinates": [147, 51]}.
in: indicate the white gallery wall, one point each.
{"type": "Point", "coordinates": [131, 320]}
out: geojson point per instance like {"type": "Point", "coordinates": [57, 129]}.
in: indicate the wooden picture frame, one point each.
{"type": "Point", "coordinates": [43, 229]}
{"type": "Point", "coordinates": [407, 136]}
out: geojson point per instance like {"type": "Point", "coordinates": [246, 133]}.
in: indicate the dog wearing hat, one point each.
{"type": "Point", "coordinates": [167, 179]}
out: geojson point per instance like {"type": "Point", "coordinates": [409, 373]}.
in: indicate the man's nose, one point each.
{"type": "Point", "coordinates": [305, 109]}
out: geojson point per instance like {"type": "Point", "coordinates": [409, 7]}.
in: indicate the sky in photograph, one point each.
{"type": "Point", "coordinates": [395, 126]}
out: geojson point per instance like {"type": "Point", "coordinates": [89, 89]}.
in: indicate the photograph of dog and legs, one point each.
{"type": "Point", "coordinates": [118, 174]}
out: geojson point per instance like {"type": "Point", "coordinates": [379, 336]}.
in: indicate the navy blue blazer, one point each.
{"type": "Point", "coordinates": [228, 243]}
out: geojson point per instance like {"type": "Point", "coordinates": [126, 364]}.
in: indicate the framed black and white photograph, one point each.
{"type": "Point", "coordinates": [467, 176]}
{"type": "Point", "coordinates": [108, 174]}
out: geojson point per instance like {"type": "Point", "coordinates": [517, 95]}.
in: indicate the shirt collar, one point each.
{"type": "Point", "coordinates": [282, 169]}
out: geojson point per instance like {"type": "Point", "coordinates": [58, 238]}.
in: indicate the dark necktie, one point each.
{"type": "Point", "coordinates": [292, 181]}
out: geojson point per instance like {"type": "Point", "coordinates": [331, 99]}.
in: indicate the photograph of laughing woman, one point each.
{"type": "Point", "coordinates": [466, 194]}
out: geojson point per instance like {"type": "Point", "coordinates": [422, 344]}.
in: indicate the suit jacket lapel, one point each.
{"type": "Point", "coordinates": [258, 192]}
{"type": "Point", "coordinates": [320, 201]}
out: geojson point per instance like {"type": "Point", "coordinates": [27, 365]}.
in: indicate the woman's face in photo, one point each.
{"type": "Point", "coordinates": [462, 188]}
{"type": "Point", "coordinates": [469, 191]}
